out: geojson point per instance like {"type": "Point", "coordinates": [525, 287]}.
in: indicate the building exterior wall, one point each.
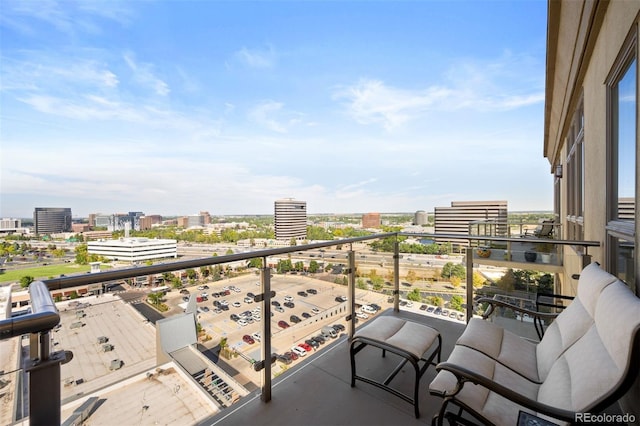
{"type": "Point", "coordinates": [290, 219]}
{"type": "Point", "coordinates": [134, 249]}
{"type": "Point", "coordinates": [420, 218]}
{"type": "Point", "coordinates": [371, 220]}
{"type": "Point", "coordinates": [586, 44]}
{"type": "Point", "coordinates": [51, 220]}
{"type": "Point", "coordinates": [456, 218]}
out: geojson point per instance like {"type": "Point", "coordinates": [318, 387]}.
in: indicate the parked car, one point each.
{"type": "Point", "coordinates": [362, 315]}
{"type": "Point", "coordinates": [340, 299]}
{"type": "Point", "coordinates": [319, 338]}
{"type": "Point", "coordinates": [294, 319]}
{"type": "Point", "coordinates": [430, 309]}
{"type": "Point", "coordinates": [307, 347]}
{"type": "Point", "coordinates": [248, 300]}
{"type": "Point", "coordinates": [290, 305]}
{"type": "Point", "coordinates": [279, 308]}
{"type": "Point", "coordinates": [312, 291]}
{"type": "Point", "coordinates": [316, 311]}
{"type": "Point", "coordinates": [292, 355]}
{"type": "Point", "coordinates": [275, 303]}
{"type": "Point", "coordinates": [311, 342]}
{"type": "Point", "coordinates": [256, 336]}
{"type": "Point", "coordinates": [283, 324]}
{"type": "Point", "coordinates": [242, 322]}
{"type": "Point", "coordinates": [248, 339]}
{"type": "Point", "coordinates": [302, 293]}
{"type": "Point", "coordinates": [338, 327]}
{"type": "Point", "coordinates": [298, 351]}
{"type": "Point", "coordinates": [288, 299]}
{"type": "Point", "coordinates": [283, 359]}
{"type": "Point", "coordinates": [375, 306]}
{"type": "Point", "coordinates": [236, 304]}
{"type": "Point", "coordinates": [306, 315]}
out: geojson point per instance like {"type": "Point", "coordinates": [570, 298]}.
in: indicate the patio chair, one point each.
{"type": "Point", "coordinates": [588, 358]}
{"type": "Point", "coordinates": [544, 229]}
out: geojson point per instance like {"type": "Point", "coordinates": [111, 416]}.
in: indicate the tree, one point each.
{"type": "Point", "coordinates": [256, 262]}
{"type": "Point", "coordinates": [508, 281]}
{"type": "Point", "coordinates": [82, 254]}
{"type": "Point", "coordinates": [411, 276]}
{"type": "Point", "coordinates": [377, 282]}
{"type": "Point", "coordinates": [25, 281]}
{"type": "Point", "coordinates": [478, 280]}
{"type": "Point", "coordinates": [455, 281]}
{"type": "Point", "coordinates": [451, 269]}
{"type": "Point", "coordinates": [313, 267]}
{"type": "Point", "coordinates": [155, 298]}
{"type": "Point", "coordinates": [436, 301]}
{"type": "Point", "coordinates": [414, 295]}
{"type": "Point", "coordinates": [545, 284]}
{"type": "Point", "coordinates": [456, 303]}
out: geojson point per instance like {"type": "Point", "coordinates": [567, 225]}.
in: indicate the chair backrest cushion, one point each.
{"type": "Point", "coordinates": [575, 320]}
{"type": "Point", "coordinates": [596, 364]}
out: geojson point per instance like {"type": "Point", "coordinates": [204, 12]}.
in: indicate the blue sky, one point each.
{"type": "Point", "coordinates": [175, 107]}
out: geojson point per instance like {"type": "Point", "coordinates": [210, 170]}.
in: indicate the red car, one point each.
{"type": "Point", "coordinates": [291, 355]}
{"type": "Point", "coordinates": [248, 339]}
{"type": "Point", "coordinates": [283, 324]}
{"type": "Point", "coordinates": [306, 347]}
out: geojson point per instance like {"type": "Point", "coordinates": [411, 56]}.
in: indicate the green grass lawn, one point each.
{"type": "Point", "coordinates": [44, 272]}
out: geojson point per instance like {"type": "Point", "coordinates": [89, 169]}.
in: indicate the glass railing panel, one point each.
{"type": "Point", "coordinates": [14, 407]}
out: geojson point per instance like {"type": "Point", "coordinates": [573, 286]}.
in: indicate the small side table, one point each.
{"type": "Point", "coordinates": [410, 340]}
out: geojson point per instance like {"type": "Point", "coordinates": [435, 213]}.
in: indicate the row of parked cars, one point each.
{"type": "Point", "coordinates": [310, 344]}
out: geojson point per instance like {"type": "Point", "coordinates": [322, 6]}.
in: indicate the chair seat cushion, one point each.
{"type": "Point", "coordinates": [507, 348]}
{"type": "Point", "coordinates": [409, 336]}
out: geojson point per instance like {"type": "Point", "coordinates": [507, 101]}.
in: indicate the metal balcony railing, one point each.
{"type": "Point", "coordinates": [43, 367]}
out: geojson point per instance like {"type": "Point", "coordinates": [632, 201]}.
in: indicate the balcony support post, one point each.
{"type": "Point", "coordinates": [469, 259]}
{"type": "Point", "coordinates": [266, 332]}
{"type": "Point", "coordinates": [351, 296]}
{"type": "Point", "coordinates": [396, 276]}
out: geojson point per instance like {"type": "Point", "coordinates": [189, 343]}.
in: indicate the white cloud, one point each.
{"type": "Point", "coordinates": [257, 58]}
{"type": "Point", "coordinates": [143, 74]}
{"type": "Point", "coordinates": [273, 116]}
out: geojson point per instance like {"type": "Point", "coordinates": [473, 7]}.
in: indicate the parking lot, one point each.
{"type": "Point", "coordinates": [318, 307]}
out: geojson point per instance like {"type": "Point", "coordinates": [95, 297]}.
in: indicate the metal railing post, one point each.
{"type": "Point", "coordinates": [469, 259]}
{"type": "Point", "coordinates": [266, 333]}
{"type": "Point", "coordinates": [396, 276]}
{"type": "Point", "coordinates": [351, 293]}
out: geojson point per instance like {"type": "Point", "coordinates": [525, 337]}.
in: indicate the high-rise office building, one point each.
{"type": "Point", "coordinates": [420, 218]}
{"type": "Point", "coordinates": [291, 219]}
{"type": "Point", "coordinates": [456, 219]}
{"type": "Point", "coordinates": [51, 220]}
{"type": "Point", "coordinates": [371, 220]}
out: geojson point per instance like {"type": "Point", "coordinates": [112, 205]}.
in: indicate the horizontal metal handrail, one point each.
{"type": "Point", "coordinates": [60, 283]}
{"type": "Point", "coordinates": [43, 317]}
{"type": "Point", "coordinates": [118, 274]}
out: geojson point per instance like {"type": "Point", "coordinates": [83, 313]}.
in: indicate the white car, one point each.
{"type": "Point", "coordinates": [288, 299]}
{"type": "Point", "coordinates": [315, 311]}
{"type": "Point", "coordinates": [367, 309]}
{"type": "Point", "coordinates": [256, 336]}
{"type": "Point", "coordinates": [248, 300]}
{"type": "Point", "coordinates": [298, 351]}
{"type": "Point", "coordinates": [224, 302]}
{"type": "Point", "coordinates": [362, 315]}
{"type": "Point", "coordinates": [242, 322]}
{"type": "Point", "coordinates": [237, 304]}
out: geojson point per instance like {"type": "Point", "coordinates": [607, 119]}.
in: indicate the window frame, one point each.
{"type": "Point", "coordinates": [621, 230]}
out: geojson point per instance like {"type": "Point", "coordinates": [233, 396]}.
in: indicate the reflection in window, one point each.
{"type": "Point", "coordinates": [625, 268]}
{"type": "Point", "coordinates": [626, 144]}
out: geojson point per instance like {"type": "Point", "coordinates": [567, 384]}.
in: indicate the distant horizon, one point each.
{"type": "Point", "coordinates": [308, 214]}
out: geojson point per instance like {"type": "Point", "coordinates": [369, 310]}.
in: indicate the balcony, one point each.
{"type": "Point", "coordinates": [195, 384]}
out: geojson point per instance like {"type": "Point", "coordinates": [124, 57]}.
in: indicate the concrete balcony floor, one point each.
{"type": "Point", "coordinates": [319, 392]}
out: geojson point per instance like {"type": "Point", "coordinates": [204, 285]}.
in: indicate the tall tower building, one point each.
{"type": "Point", "coordinates": [51, 220]}
{"type": "Point", "coordinates": [420, 218]}
{"type": "Point", "coordinates": [291, 219]}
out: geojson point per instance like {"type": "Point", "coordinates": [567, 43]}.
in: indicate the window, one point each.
{"type": "Point", "coordinates": [574, 175]}
{"type": "Point", "coordinates": [622, 163]}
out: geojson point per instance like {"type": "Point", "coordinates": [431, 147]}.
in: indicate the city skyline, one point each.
{"type": "Point", "coordinates": [177, 107]}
